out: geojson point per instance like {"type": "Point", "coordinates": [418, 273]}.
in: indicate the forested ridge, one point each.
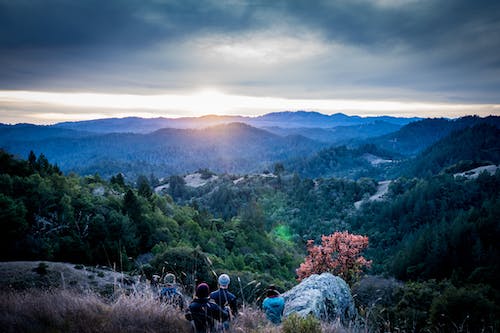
{"type": "Point", "coordinates": [436, 234]}
{"type": "Point", "coordinates": [352, 151]}
{"type": "Point", "coordinates": [234, 148]}
{"type": "Point", "coordinates": [415, 137]}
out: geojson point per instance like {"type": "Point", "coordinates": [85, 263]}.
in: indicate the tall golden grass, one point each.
{"type": "Point", "coordinates": [68, 311]}
{"type": "Point", "coordinates": [61, 310]}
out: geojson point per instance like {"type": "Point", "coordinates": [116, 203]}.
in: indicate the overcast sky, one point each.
{"type": "Point", "coordinates": [69, 60]}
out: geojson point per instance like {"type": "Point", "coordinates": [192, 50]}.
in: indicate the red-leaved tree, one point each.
{"type": "Point", "coordinates": [339, 254]}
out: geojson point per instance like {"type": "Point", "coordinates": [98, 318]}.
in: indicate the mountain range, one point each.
{"type": "Point", "coordinates": [358, 147]}
{"type": "Point", "coordinates": [287, 119]}
{"type": "Point", "coordinates": [235, 148]}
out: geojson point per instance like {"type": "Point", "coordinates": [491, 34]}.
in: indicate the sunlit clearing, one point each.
{"type": "Point", "coordinates": [283, 232]}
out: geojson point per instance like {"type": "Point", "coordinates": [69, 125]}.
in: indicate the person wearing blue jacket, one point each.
{"type": "Point", "coordinates": [170, 293]}
{"type": "Point", "coordinates": [273, 305]}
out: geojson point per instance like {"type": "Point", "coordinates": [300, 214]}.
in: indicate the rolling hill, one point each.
{"type": "Point", "coordinates": [415, 137]}
{"type": "Point", "coordinates": [477, 145]}
{"type": "Point", "coordinates": [299, 119]}
{"type": "Point", "coordinates": [235, 148]}
{"type": "Point", "coordinates": [340, 134]}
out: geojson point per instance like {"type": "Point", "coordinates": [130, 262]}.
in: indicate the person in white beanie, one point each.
{"type": "Point", "coordinates": [224, 298]}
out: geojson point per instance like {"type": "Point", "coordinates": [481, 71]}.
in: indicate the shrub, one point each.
{"type": "Point", "coordinates": [464, 310]}
{"type": "Point", "coordinates": [339, 254]}
{"type": "Point", "coordinates": [42, 268]}
{"type": "Point", "coordinates": [253, 320]}
{"type": "Point", "coordinates": [374, 295]}
{"type": "Point", "coordinates": [190, 265]}
{"type": "Point", "coordinates": [297, 324]}
{"type": "Point", "coordinates": [413, 301]}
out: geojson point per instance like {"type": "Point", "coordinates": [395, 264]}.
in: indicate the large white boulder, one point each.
{"type": "Point", "coordinates": [325, 296]}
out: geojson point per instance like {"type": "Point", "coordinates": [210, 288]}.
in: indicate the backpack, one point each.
{"type": "Point", "coordinates": [168, 293]}
{"type": "Point", "coordinates": [171, 296]}
{"type": "Point", "coordinates": [202, 320]}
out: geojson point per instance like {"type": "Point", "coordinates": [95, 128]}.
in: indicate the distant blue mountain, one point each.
{"type": "Point", "coordinates": [147, 125]}
{"type": "Point", "coordinates": [26, 132]}
{"type": "Point", "coordinates": [349, 134]}
{"type": "Point", "coordinates": [319, 120]}
{"type": "Point", "coordinates": [285, 119]}
{"type": "Point", "coordinates": [130, 146]}
{"type": "Point", "coordinates": [234, 148]}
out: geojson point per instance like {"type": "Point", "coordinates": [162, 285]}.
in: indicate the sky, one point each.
{"type": "Point", "coordinates": [71, 60]}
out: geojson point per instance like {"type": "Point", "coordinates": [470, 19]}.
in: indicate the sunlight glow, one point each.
{"type": "Point", "coordinates": [210, 101]}
{"type": "Point", "coordinates": [263, 48]}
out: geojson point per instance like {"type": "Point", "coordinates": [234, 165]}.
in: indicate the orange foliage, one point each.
{"type": "Point", "coordinates": [339, 254]}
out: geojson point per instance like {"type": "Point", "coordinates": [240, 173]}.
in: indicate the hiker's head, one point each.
{"type": "Point", "coordinates": [169, 278]}
{"type": "Point", "coordinates": [224, 281]}
{"type": "Point", "coordinates": [271, 292]}
{"type": "Point", "coordinates": [202, 291]}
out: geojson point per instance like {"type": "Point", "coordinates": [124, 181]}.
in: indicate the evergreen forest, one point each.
{"type": "Point", "coordinates": [433, 237]}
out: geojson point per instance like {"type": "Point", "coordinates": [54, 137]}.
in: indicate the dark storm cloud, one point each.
{"type": "Point", "coordinates": [425, 23]}
{"type": "Point", "coordinates": [420, 45]}
{"type": "Point", "coordinates": [40, 40]}
{"type": "Point", "coordinates": [419, 23]}
{"type": "Point", "coordinates": [446, 33]}
{"type": "Point", "coordinates": [64, 23]}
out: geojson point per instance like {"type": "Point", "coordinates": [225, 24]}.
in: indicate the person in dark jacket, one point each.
{"type": "Point", "coordinates": [224, 298]}
{"type": "Point", "coordinates": [204, 314]}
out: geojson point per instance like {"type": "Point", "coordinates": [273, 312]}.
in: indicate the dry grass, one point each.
{"type": "Point", "coordinates": [142, 313]}
{"type": "Point", "coordinates": [61, 310]}
{"type": "Point", "coordinates": [251, 320]}
{"type": "Point", "coordinates": [67, 311]}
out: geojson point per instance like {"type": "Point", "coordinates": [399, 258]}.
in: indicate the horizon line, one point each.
{"type": "Point", "coordinates": [245, 116]}
{"type": "Point", "coordinates": [54, 107]}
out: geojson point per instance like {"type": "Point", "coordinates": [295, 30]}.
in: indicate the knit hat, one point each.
{"type": "Point", "coordinates": [272, 292]}
{"type": "Point", "coordinates": [224, 280]}
{"type": "Point", "coordinates": [169, 278]}
{"type": "Point", "coordinates": [202, 290]}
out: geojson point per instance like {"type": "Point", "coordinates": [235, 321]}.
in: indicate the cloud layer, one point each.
{"type": "Point", "coordinates": [408, 50]}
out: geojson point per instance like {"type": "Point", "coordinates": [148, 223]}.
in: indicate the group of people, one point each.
{"type": "Point", "coordinates": [212, 311]}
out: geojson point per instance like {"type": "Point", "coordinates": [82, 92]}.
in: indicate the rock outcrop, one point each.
{"type": "Point", "coordinates": [325, 296]}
